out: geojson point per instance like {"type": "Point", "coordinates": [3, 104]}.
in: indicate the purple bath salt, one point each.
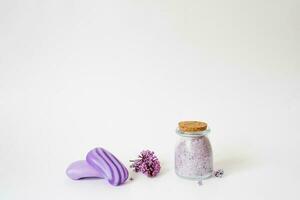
{"type": "Point", "coordinates": [193, 155]}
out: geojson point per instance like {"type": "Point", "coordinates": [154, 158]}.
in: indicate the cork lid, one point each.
{"type": "Point", "coordinates": [192, 126]}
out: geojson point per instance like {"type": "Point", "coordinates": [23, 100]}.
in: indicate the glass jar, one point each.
{"type": "Point", "coordinates": [193, 155]}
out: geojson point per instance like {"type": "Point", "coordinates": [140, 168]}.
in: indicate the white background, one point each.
{"type": "Point", "coordinates": [120, 74]}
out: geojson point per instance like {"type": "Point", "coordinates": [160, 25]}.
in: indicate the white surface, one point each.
{"type": "Point", "coordinates": [121, 74]}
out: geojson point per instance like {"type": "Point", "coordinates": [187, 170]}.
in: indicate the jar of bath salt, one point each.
{"type": "Point", "coordinates": [193, 152]}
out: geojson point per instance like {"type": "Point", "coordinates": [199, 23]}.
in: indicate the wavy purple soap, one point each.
{"type": "Point", "coordinates": [99, 163]}
{"type": "Point", "coordinates": [81, 169]}
{"type": "Point", "coordinates": [108, 165]}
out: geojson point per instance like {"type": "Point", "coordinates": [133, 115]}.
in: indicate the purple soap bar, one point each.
{"type": "Point", "coordinates": [108, 165]}
{"type": "Point", "coordinates": [99, 163]}
{"type": "Point", "coordinates": [81, 169]}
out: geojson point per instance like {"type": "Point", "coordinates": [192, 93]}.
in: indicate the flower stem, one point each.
{"type": "Point", "coordinates": [134, 160]}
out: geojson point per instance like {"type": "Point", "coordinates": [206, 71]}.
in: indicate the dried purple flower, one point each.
{"type": "Point", "coordinates": [219, 173]}
{"type": "Point", "coordinates": [147, 163]}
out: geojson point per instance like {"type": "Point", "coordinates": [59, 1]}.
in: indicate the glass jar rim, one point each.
{"type": "Point", "coordinates": [193, 134]}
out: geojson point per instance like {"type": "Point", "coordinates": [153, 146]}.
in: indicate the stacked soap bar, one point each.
{"type": "Point", "coordinates": [99, 163]}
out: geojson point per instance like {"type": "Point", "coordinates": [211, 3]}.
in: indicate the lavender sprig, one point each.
{"type": "Point", "coordinates": [147, 163]}
{"type": "Point", "coordinates": [219, 173]}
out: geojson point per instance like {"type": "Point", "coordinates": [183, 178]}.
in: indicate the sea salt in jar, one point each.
{"type": "Point", "coordinates": [193, 152]}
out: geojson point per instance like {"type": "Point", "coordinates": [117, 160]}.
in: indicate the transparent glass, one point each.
{"type": "Point", "coordinates": [193, 155]}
